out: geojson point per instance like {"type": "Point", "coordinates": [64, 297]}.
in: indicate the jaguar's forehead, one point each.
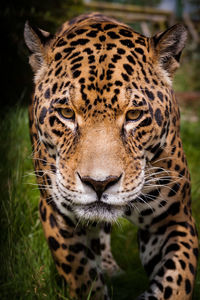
{"type": "Point", "coordinates": [100, 51]}
{"type": "Point", "coordinates": [100, 66]}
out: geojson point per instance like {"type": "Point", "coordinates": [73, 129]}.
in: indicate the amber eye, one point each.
{"type": "Point", "coordinates": [133, 115]}
{"type": "Point", "coordinates": [67, 113]}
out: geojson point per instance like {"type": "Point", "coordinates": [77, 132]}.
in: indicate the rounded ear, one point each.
{"type": "Point", "coordinates": [168, 47]}
{"type": "Point", "coordinates": [36, 40]}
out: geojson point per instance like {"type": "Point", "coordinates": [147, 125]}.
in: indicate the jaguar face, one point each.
{"type": "Point", "coordinates": [103, 106]}
{"type": "Point", "coordinates": [100, 150]}
{"type": "Point", "coordinates": [103, 162]}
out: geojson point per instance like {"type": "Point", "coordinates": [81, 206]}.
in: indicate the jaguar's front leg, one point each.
{"type": "Point", "coordinates": [108, 263]}
{"type": "Point", "coordinates": [76, 253]}
{"type": "Point", "coordinates": [169, 256]}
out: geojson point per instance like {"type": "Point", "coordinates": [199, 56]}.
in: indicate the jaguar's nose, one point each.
{"type": "Point", "coordinates": [99, 186]}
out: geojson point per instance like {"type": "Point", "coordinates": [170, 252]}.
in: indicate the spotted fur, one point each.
{"type": "Point", "coordinates": [103, 162]}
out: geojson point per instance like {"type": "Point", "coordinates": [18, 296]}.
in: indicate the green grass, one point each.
{"type": "Point", "coordinates": [27, 270]}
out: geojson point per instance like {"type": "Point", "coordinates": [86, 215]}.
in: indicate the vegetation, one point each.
{"type": "Point", "coordinates": [190, 65]}
{"type": "Point", "coordinates": [136, 2]}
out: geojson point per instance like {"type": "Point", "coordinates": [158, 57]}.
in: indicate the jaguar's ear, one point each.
{"type": "Point", "coordinates": [36, 40]}
{"type": "Point", "coordinates": [168, 46]}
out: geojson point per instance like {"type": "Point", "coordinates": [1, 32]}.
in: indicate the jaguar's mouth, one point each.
{"type": "Point", "coordinates": [98, 211]}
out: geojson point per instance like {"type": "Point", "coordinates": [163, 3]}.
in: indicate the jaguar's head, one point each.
{"type": "Point", "coordinates": [102, 110]}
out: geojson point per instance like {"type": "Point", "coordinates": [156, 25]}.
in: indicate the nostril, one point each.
{"type": "Point", "coordinates": [100, 185]}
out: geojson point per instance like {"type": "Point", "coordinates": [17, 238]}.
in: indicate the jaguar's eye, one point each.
{"type": "Point", "coordinates": [133, 115]}
{"type": "Point", "coordinates": [67, 113]}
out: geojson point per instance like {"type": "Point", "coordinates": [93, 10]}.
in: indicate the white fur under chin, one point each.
{"type": "Point", "coordinates": [98, 214]}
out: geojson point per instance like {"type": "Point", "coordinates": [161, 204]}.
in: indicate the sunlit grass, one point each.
{"type": "Point", "coordinates": [27, 270]}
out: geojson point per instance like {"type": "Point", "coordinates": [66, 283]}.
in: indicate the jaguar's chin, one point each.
{"type": "Point", "coordinates": [99, 212]}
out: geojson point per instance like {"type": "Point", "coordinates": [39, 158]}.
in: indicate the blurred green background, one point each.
{"type": "Point", "coordinates": [26, 267]}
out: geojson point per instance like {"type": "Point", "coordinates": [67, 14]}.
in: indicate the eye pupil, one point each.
{"type": "Point", "coordinates": [67, 113]}
{"type": "Point", "coordinates": [133, 115]}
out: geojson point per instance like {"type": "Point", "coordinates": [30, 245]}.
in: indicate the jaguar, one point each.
{"type": "Point", "coordinates": [105, 130]}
